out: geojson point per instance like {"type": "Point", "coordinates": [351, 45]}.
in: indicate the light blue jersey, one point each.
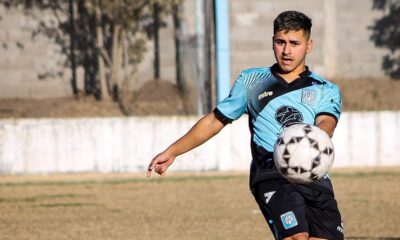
{"type": "Point", "coordinates": [273, 104]}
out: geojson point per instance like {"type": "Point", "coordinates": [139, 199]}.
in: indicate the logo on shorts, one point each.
{"type": "Point", "coordinates": [268, 196]}
{"type": "Point", "coordinates": [289, 220]}
{"type": "Point", "coordinates": [340, 228]}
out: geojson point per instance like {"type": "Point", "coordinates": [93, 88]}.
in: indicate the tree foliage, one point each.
{"type": "Point", "coordinates": [386, 34]}
{"type": "Point", "coordinates": [110, 35]}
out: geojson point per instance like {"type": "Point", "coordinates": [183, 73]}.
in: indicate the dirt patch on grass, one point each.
{"type": "Point", "coordinates": [57, 108]}
{"type": "Point", "coordinates": [154, 98]}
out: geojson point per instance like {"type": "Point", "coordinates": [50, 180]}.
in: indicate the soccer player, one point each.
{"type": "Point", "coordinates": [276, 97]}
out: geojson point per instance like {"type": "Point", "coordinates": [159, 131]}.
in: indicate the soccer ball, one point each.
{"type": "Point", "coordinates": [303, 153]}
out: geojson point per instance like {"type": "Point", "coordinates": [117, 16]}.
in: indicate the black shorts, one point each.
{"type": "Point", "coordinates": [290, 208]}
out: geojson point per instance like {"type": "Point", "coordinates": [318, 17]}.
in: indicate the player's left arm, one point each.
{"type": "Point", "coordinates": [326, 123]}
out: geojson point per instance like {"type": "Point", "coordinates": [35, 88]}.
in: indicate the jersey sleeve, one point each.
{"type": "Point", "coordinates": [331, 102]}
{"type": "Point", "coordinates": [233, 106]}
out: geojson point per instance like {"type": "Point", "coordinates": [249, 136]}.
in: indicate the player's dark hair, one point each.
{"type": "Point", "coordinates": [292, 21]}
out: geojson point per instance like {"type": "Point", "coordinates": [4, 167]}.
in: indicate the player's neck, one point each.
{"type": "Point", "coordinates": [293, 75]}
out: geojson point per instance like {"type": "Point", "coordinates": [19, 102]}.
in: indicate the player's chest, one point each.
{"type": "Point", "coordinates": [274, 96]}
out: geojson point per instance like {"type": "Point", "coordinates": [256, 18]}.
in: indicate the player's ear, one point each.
{"type": "Point", "coordinates": [309, 45]}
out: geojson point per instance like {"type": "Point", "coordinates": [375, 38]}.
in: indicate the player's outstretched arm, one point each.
{"type": "Point", "coordinates": [203, 130]}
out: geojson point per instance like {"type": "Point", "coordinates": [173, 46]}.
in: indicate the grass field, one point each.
{"type": "Point", "coordinates": [178, 206]}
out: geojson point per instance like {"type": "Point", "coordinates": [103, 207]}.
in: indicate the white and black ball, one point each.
{"type": "Point", "coordinates": [303, 153]}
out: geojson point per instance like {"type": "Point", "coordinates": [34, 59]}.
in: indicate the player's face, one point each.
{"type": "Point", "coordinates": [290, 49]}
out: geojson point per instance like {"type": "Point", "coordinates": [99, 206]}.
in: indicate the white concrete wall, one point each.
{"type": "Point", "coordinates": [29, 146]}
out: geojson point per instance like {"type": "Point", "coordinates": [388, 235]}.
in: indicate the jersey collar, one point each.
{"type": "Point", "coordinates": [304, 76]}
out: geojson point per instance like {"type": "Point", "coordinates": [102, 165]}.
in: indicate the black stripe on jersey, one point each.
{"type": "Point", "coordinates": [281, 87]}
{"type": "Point", "coordinates": [221, 117]}
{"type": "Point", "coordinates": [329, 114]}
{"type": "Point", "coordinates": [278, 89]}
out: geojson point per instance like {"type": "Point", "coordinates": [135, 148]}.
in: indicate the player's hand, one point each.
{"type": "Point", "coordinates": [160, 163]}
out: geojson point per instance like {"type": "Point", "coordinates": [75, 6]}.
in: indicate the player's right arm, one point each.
{"type": "Point", "coordinates": [203, 130]}
{"type": "Point", "coordinates": [228, 110]}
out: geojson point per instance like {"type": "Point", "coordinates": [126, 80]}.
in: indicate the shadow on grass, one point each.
{"type": "Point", "coordinates": [42, 197]}
{"type": "Point", "coordinates": [55, 205]}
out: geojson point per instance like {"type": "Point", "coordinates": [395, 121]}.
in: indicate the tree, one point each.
{"type": "Point", "coordinates": [112, 37]}
{"type": "Point", "coordinates": [386, 34]}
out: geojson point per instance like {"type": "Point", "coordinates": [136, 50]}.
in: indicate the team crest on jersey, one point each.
{"type": "Point", "coordinates": [289, 220]}
{"type": "Point", "coordinates": [308, 96]}
{"type": "Point", "coordinates": [287, 116]}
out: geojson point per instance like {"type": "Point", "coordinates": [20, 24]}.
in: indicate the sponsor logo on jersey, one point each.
{"type": "Point", "coordinates": [287, 116]}
{"type": "Point", "coordinates": [265, 94]}
{"type": "Point", "coordinates": [308, 96]}
{"type": "Point", "coordinates": [289, 220]}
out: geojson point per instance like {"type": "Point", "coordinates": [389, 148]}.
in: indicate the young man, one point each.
{"type": "Point", "coordinates": [276, 97]}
